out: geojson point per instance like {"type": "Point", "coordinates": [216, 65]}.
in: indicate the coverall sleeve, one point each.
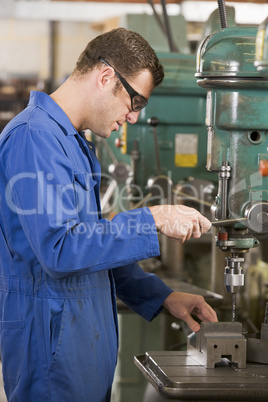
{"type": "Point", "coordinates": [142, 292]}
{"type": "Point", "coordinates": [66, 236]}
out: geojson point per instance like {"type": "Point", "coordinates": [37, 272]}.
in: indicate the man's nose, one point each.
{"type": "Point", "coordinates": [132, 117]}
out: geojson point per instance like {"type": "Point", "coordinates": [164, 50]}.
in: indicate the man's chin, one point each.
{"type": "Point", "coordinates": [103, 134]}
{"type": "Point", "coordinates": [107, 134]}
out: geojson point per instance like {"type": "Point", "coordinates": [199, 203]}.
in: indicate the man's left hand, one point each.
{"type": "Point", "coordinates": [182, 305]}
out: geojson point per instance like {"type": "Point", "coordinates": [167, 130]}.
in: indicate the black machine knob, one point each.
{"type": "Point", "coordinates": [153, 121]}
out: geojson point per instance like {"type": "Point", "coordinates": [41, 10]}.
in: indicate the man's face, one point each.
{"type": "Point", "coordinates": [116, 106]}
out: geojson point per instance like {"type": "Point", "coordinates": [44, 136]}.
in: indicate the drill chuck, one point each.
{"type": "Point", "coordinates": [233, 275]}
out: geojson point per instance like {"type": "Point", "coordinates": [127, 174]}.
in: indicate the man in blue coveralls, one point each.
{"type": "Point", "coordinates": [62, 264]}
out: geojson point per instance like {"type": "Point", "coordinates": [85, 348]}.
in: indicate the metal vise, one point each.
{"type": "Point", "coordinates": [217, 341]}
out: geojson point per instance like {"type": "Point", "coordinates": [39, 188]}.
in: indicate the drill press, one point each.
{"type": "Point", "coordinates": [217, 366]}
{"type": "Point", "coordinates": [236, 119]}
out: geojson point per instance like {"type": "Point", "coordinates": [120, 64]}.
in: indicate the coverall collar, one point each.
{"type": "Point", "coordinates": [46, 103]}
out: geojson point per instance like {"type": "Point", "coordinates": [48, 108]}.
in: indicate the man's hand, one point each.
{"type": "Point", "coordinates": [179, 222]}
{"type": "Point", "coordinates": [182, 305]}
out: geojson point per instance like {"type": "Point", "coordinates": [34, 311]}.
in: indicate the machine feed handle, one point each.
{"type": "Point", "coordinates": [228, 222]}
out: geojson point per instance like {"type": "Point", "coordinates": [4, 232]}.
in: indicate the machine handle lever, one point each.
{"type": "Point", "coordinates": [228, 222]}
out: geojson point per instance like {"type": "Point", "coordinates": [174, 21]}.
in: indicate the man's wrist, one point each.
{"type": "Point", "coordinates": [168, 301]}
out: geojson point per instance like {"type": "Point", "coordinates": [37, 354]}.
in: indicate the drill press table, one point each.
{"type": "Point", "coordinates": [177, 376]}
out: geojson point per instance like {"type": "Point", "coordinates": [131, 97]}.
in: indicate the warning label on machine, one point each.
{"type": "Point", "coordinates": [186, 150]}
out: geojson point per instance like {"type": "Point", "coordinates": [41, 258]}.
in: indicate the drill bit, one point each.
{"type": "Point", "coordinates": [233, 306]}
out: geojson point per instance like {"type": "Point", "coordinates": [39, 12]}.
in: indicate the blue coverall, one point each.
{"type": "Point", "coordinates": [62, 264]}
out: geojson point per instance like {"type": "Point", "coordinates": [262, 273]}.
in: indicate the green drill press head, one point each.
{"type": "Point", "coordinates": [236, 119]}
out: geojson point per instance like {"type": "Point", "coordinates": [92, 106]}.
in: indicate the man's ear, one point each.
{"type": "Point", "coordinates": [105, 77]}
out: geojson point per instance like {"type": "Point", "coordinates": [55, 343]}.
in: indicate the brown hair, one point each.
{"type": "Point", "coordinates": [127, 51]}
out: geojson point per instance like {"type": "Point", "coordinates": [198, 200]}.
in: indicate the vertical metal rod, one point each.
{"type": "Point", "coordinates": [224, 176]}
{"type": "Point", "coordinates": [153, 121]}
{"type": "Point", "coordinates": [134, 159]}
{"type": "Point", "coordinates": [157, 155]}
{"type": "Point", "coordinates": [172, 46]}
{"type": "Point", "coordinates": [224, 200]}
{"type": "Point", "coordinates": [157, 17]}
{"type": "Point", "coordinates": [224, 195]}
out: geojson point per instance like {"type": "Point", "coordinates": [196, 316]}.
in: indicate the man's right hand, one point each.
{"type": "Point", "coordinates": [179, 222]}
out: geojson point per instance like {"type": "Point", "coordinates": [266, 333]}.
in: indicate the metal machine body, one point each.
{"type": "Point", "coordinates": [236, 119]}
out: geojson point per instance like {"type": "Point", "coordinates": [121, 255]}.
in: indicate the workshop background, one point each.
{"type": "Point", "coordinates": [166, 156]}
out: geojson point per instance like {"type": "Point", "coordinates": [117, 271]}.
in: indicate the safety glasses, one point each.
{"type": "Point", "coordinates": [138, 101]}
